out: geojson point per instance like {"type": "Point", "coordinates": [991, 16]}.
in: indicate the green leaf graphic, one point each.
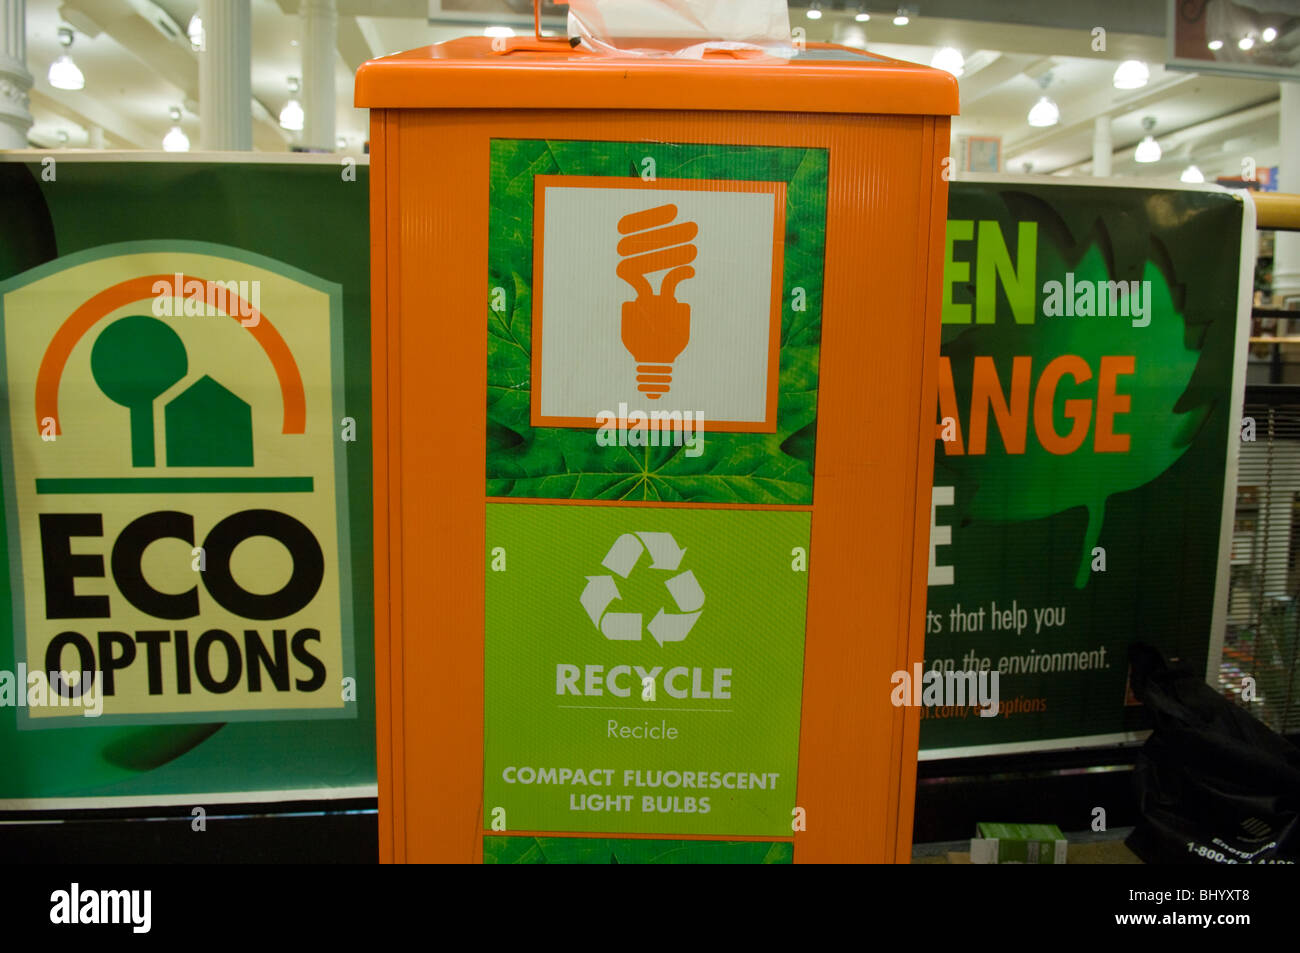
{"type": "Point", "coordinates": [609, 850]}
{"type": "Point", "coordinates": [523, 461]}
{"type": "Point", "coordinates": [1159, 423]}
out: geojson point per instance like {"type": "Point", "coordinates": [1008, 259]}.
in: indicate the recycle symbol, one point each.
{"type": "Point", "coordinates": [622, 558]}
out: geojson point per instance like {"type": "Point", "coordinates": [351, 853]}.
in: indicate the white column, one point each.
{"type": "Point", "coordinates": [1101, 146]}
{"type": "Point", "coordinates": [15, 81]}
{"type": "Point", "coordinates": [320, 27]}
{"type": "Point", "coordinates": [1286, 252]}
{"type": "Point", "coordinates": [225, 79]}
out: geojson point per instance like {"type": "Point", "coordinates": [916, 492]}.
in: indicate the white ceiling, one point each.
{"type": "Point", "coordinates": [134, 74]}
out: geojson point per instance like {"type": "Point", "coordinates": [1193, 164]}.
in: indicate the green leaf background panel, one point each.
{"type": "Point", "coordinates": [550, 462]}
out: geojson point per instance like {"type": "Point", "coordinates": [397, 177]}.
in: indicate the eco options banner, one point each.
{"type": "Point", "coordinates": [1090, 394]}
{"type": "Point", "coordinates": [184, 354]}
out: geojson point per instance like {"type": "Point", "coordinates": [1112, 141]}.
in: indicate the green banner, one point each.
{"type": "Point", "coordinates": [187, 510]}
{"type": "Point", "coordinates": [1090, 387]}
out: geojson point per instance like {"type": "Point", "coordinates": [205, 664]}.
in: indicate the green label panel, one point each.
{"type": "Point", "coordinates": [644, 668]}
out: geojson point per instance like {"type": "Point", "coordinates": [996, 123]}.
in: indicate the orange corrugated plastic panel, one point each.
{"type": "Point", "coordinates": [470, 74]}
{"type": "Point", "coordinates": [799, 208]}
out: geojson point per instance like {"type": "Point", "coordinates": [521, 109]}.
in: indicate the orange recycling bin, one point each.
{"type": "Point", "coordinates": [655, 344]}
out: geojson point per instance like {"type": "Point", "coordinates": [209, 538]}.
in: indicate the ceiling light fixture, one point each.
{"type": "Point", "coordinates": [1193, 175]}
{"type": "Point", "coordinates": [862, 16]}
{"type": "Point", "coordinates": [1131, 74]}
{"type": "Point", "coordinates": [1045, 112]}
{"type": "Point", "coordinates": [194, 30]}
{"type": "Point", "coordinates": [1148, 150]}
{"type": "Point", "coordinates": [64, 73]}
{"type": "Point", "coordinates": [498, 31]}
{"type": "Point", "coordinates": [851, 35]}
{"type": "Point", "coordinates": [950, 60]}
{"type": "Point", "coordinates": [1215, 45]}
{"type": "Point", "coordinates": [814, 11]}
{"type": "Point", "coordinates": [1246, 43]}
{"type": "Point", "coordinates": [1269, 34]}
{"type": "Point", "coordinates": [175, 140]}
{"type": "Point", "coordinates": [901, 19]}
{"type": "Point", "coordinates": [291, 116]}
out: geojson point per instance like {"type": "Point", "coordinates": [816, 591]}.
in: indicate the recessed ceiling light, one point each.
{"type": "Point", "coordinates": [194, 30]}
{"type": "Point", "coordinates": [814, 11]}
{"type": "Point", "coordinates": [1215, 45]}
{"type": "Point", "coordinates": [901, 19]}
{"type": "Point", "coordinates": [1246, 43]}
{"type": "Point", "coordinates": [1269, 34]}
{"type": "Point", "coordinates": [498, 31]}
{"type": "Point", "coordinates": [862, 16]}
{"type": "Point", "coordinates": [1192, 174]}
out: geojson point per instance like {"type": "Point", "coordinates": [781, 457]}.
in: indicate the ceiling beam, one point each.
{"type": "Point", "coordinates": [354, 46]}
{"type": "Point", "coordinates": [1196, 138]}
{"type": "Point", "coordinates": [1101, 102]}
{"type": "Point", "coordinates": [148, 33]}
{"type": "Point", "coordinates": [85, 110]}
{"type": "Point", "coordinates": [1005, 67]}
{"type": "Point", "coordinates": [144, 37]}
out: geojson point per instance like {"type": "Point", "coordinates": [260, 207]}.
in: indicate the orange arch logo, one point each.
{"type": "Point", "coordinates": [126, 292]}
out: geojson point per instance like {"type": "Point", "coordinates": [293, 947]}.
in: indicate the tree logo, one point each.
{"type": "Point", "coordinates": [665, 557]}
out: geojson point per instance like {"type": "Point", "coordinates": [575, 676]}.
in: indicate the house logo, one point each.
{"type": "Point", "coordinates": [661, 297]}
{"type": "Point", "coordinates": [174, 483]}
{"type": "Point", "coordinates": [137, 358]}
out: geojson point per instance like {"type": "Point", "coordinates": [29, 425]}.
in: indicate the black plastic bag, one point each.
{"type": "Point", "coordinates": [1214, 784]}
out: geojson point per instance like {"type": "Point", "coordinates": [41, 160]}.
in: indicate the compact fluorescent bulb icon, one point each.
{"type": "Point", "coordinates": [656, 327]}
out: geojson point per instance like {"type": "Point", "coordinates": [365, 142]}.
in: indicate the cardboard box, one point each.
{"type": "Point", "coordinates": [1017, 844]}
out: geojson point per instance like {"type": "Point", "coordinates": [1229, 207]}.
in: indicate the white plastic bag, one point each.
{"type": "Point", "coordinates": [686, 28]}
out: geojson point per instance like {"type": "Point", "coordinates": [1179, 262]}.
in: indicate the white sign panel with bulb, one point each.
{"type": "Point", "coordinates": [659, 298]}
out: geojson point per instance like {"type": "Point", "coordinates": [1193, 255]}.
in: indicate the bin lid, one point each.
{"type": "Point", "coordinates": [822, 78]}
